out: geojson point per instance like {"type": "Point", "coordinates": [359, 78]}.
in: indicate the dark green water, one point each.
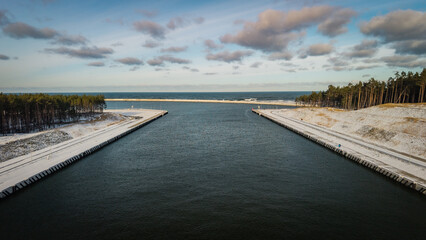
{"type": "Point", "coordinates": [213, 171]}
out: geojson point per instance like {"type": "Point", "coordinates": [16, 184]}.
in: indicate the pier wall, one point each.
{"type": "Point", "coordinates": [365, 162]}
{"type": "Point", "coordinates": [12, 189]}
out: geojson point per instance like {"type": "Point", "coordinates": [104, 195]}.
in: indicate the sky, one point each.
{"type": "Point", "coordinates": [206, 46]}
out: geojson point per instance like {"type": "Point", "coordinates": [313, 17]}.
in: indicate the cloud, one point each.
{"type": "Point", "coordinates": [174, 49]}
{"type": "Point", "coordinates": [396, 26]}
{"type": "Point", "coordinates": [366, 67]}
{"type": "Point", "coordinates": [285, 55]}
{"type": "Point", "coordinates": [147, 13]}
{"type": "Point", "coordinates": [319, 49]}
{"type": "Point", "coordinates": [190, 69]}
{"type": "Point", "coordinates": [21, 30]}
{"type": "Point", "coordinates": [335, 24]}
{"type": "Point", "coordinates": [153, 29]}
{"type": "Point", "coordinates": [117, 44]}
{"type": "Point", "coordinates": [159, 61]}
{"type": "Point", "coordinates": [256, 65]}
{"type": "Point", "coordinates": [69, 40]}
{"type": "Point", "coordinates": [84, 52]}
{"type": "Point", "coordinates": [406, 61]}
{"type": "Point", "coordinates": [151, 44]}
{"type": "Point", "coordinates": [274, 29]}
{"type": "Point", "coordinates": [177, 22]}
{"type": "Point", "coordinates": [367, 48]}
{"type": "Point", "coordinates": [228, 57]}
{"type": "Point", "coordinates": [410, 47]}
{"type": "Point", "coordinates": [155, 62]}
{"type": "Point", "coordinates": [129, 61]}
{"type": "Point", "coordinates": [199, 20]}
{"type": "Point", "coordinates": [3, 18]}
{"type": "Point", "coordinates": [96, 64]}
{"type": "Point", "coordinates": [134, 68]}
{"type": "Point", "coordinates": [211, 45]}
{"type": "Point", "coordinates": [337, 64]}
{"type": "Point", "coordinates": [4, 57]}
{"type": "Point", "coordinates": [210, 73]}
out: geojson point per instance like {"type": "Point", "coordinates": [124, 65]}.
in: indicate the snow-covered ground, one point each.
{"type": "Point", "coordinates": [87, 135]}
{"type": "Point", "coordinates": [399, 127]}
{"type": "Point", "coordinates": [392, 137]}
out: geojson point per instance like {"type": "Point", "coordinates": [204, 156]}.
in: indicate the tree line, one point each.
{"type": "Point", "coordinates": [23, 113]}
{"type": "Point", "coordinates": [401, 88]}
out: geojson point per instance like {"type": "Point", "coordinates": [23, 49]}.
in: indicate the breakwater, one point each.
{"type": "Point", "coordinates": [365, 161]}
{"type": "Point", "coordinates": [278, 103]}
{"type": "Point", "coordinates": [14, 187]}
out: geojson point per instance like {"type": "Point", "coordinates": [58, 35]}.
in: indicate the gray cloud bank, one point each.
{"type": "Point", "coordinates": [84, 52]}
{"type": "Point", "coordinates": [228, 57]}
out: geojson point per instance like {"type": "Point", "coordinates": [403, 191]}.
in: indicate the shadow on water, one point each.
{"type": "Point", "coordinates": [213, 171]}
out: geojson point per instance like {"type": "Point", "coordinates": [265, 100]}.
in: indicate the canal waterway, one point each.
{"type": "Point", "coordinates": [213, 171]}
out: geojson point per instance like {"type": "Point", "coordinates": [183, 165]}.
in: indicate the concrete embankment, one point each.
{"type": "Point", "coordinates": [20, 172]}
{"type": "Point", "coordinates": [408, 171]}
{"type": "Point", "coordinates": [278, 103]}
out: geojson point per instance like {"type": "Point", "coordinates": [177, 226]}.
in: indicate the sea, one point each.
{"type": "Point", "coordinates": [213, 171]}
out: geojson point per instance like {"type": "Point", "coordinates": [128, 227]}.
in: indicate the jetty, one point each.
{"type": "Point", "coordinates": [22, 171]}
{"type": "Point", "coordinates": [403, 168]}
{"type": "Point", "coordinates": [255, 102]}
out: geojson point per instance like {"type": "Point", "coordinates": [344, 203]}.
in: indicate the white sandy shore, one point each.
{"type": "Point", "coordinates": [21, 168]}
{"type": "Point", "coordinates": [272, 102]}
{"type": "Point", "coordinates": [391, 136]}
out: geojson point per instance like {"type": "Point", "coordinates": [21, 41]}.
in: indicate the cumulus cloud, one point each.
{"type": "Point", "coordinates": [337, 64]}
{"type": "Point", "coordinates": [211, 45]}
{"type": "Point", "coordinates": [367, 48]}
{"type": "Point", "coordinates": [151, 44]}
{"type": "Point", "coordinates": [319, 49]}
{"type": "Point", "coordinates": [274, 29]}
{"type": "Point", "coordinates": [69, 40]}
{"type": "Point", "coordinates": [228, 57]}
{"type": "Point", "coordinates": [285, 55]}
{"type": "Point", "coordinates": [3, 18]}
{"type": "Point", "coordinates": [335, 24]}
{"type": "Point", "coordinates": [255, 65]}
{"type": "Point", "coordinates": [21, 30]}
{"type": "Point", "coordinates": [177, 22]}
{"type": "Point", "coordinates": [4, 57]}
{"type": "Point", "coordinates": [410, 47]}
{"type": "Point", "coordinates": [147, 13]}
{"type": "Point", "coordinates": [130, 61]}
{"type": "Point", "coordinates": [84, 52]}
{"type": "Point", "coordinates": [155, 62]}
{"type": "Point", "coordinates": [210, 73]}
{"type": "Point", "coordinates": [96, 64]}
{"type": "Point", "coordinates": [397, 26]}
{"type": "Point", "coordinates": [159, 61]}
{"type": "Point", "coordinates": [174, 49]}
{"type": "Point", "coordinates": [153, 29]}
{"type": "Point", "coordinates": [407, 61]}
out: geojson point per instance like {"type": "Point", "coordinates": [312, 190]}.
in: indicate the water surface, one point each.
{"type": "Point", "coordinates": [213, 171]}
